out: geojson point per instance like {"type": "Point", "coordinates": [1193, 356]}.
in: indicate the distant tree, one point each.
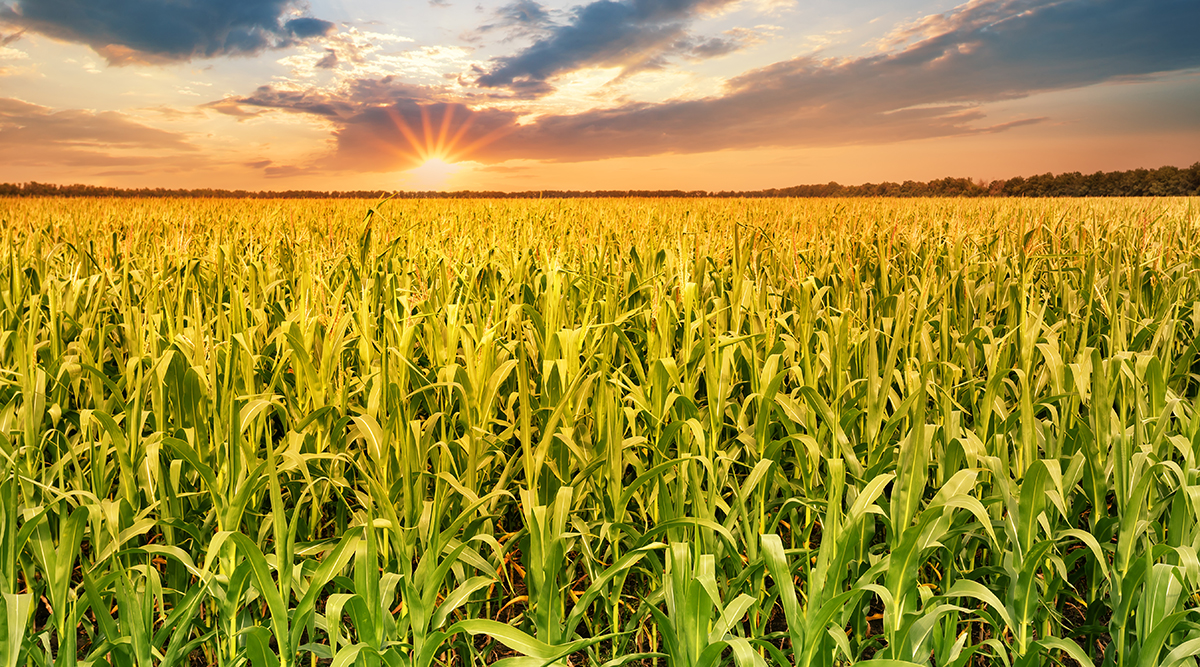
{"type": "Point", "coordinates": [1164, 181]}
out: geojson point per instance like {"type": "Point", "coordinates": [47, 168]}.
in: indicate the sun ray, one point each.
{"type": "Point", "coordinates": [453, 149]}
{"type": "Point", "coordinates": [439, 141]}
{"type": "Point", "coordinates": [427, 129]}
{"type": "Point", "coordinates": [447, 115]}
{"type": "Point", "coordinates": [407, 132]}
{"type": "Point", "coordinates": [486, 139]}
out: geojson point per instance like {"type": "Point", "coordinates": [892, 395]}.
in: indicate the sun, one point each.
{"type": "Point", "coordinates": [434, 171]}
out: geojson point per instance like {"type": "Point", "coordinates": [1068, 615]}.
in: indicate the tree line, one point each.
{"type": "Point", "coordinates": [1162, 182]}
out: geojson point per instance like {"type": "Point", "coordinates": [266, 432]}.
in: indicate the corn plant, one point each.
{"type": "Point", "coordinates": [604, 432]}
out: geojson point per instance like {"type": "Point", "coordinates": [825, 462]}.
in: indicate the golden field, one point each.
{"type": "Point", "coordinates": [600, 432]}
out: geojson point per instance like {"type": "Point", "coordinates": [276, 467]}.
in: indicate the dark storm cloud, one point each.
{"type": "Point", "coordinates": [632, 34]}
{"type": "Point", "coordinates": [131, 31]}
{"type": "Point", "coordinates": [931, 84]}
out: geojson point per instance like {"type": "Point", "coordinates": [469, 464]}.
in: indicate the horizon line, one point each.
{"type": "Point", "coordinates": [1138, 182]}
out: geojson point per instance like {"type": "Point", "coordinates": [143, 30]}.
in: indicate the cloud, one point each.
{"type": "Point", "coordinates": [380, 125]}
{"type": "Point", "coordinates": [985, 51]}
{"type": "Point", "coordinates": [302, 101]}
{"type": "Point", "coordinates": [327, 61]}
{"type": "Point", "coordinates": [503, 169]}
{"type": "Point", "coordinates": [630, 34]}
{"type": "Point", "coordinates": [229, 106]}
{"type": "Point", "coordinates": [404, 134]}
{"type": "Point", "coordinates": [934, 83]}
{"type": "Point", "coordinates": [306, 27]}
{"type": "Point", "coordinates": [147, 31]}
{"type": "Point", "coordinates": [354, 53]}
{"type": "Point", "coordinates": [168, 112]}
{"type": "Point", "coordinates": [731, 41]}
{"type": "Point", "coordinates": [351, 100]}
{"type": "Point", "coordinates": [33, 135]}
{"type": "Point", "coordinates": [523, 16]}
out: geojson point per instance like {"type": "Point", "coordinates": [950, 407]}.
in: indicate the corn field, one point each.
{"type": "Point", "coordinates": [626, 432]}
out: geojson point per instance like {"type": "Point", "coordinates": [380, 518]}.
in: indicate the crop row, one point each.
{"type": "Point", "coordinates": [560, 433]}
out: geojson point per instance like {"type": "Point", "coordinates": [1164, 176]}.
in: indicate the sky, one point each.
{"type": "Point", "coordinates": [590, 95]}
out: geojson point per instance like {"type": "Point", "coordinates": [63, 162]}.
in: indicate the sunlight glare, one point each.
{"type": "Point", "coordinates": [439, 146]}
{"type": "Point", "coordinates": [433, 173]}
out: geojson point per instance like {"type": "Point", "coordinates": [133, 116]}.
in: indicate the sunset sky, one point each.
{"type": "Point", "coordinates": [598, 94]}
